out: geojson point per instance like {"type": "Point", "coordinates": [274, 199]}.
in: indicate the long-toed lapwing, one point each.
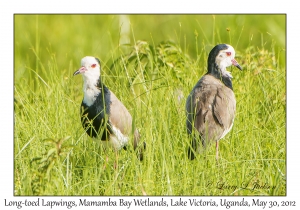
{"type": "Point", "coordinates": [210, 107]}
{"type": "Point", "coordinates": [103, 115]}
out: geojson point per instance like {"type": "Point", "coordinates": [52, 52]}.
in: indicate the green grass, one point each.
{"type": "Point", "coordinates": [54, 156]}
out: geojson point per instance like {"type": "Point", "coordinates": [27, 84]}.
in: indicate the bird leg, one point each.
{"type": "Point", "coordinates": [117, 160]}
{"type": "Point", "coordinates": [217, 150]}
{"type": "Point", "coordinates": [105, 163]}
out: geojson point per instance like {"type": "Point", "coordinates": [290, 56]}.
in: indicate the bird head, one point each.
{"type": "Point", "coordinates": [90, 68]}
{"type": "Point", "coordinates": [225, 58]}
{"type": "Point", "coordinates": [222, 56]}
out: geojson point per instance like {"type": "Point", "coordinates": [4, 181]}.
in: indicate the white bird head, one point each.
{"type": "Point", "coordinates": [90, 71]}
{"type": "Point", "coordinates": [90, 68]}
{"type": "Point", "coordinates": [225, 58]}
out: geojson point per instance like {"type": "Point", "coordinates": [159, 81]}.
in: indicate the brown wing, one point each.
{"type": "Point", "coordinates": [210, 109]}
{"type": "Point", "coordinates": [224, 108]}
{"type": "Point", "coordinates": [119, 115]}
{"type": "Point", "coordinates": [121, 119]}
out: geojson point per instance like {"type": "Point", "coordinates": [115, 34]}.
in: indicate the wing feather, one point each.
{"type": "Point", "coordinates": [210, 108]}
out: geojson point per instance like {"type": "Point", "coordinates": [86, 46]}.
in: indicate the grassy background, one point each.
{"type": "Point", "coordinates": [54, 156]}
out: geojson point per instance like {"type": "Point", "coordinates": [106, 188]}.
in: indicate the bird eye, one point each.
{"type": "Point", "coordinates": [228, 53]}
{"type": "Point", "coordinates": [93, 65]}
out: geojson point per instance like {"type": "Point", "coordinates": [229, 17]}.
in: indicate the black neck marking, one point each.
{"type": "Point", "coordinates": [95, 118]}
